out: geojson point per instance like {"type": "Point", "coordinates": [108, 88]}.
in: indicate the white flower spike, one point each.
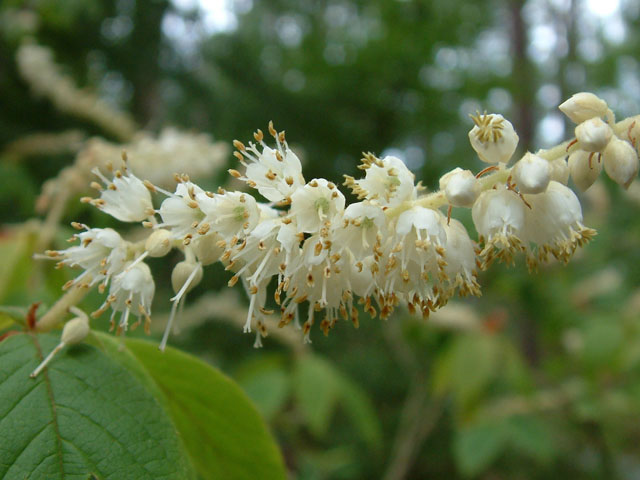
{"type": "Point", "coordinates": [321, 257]}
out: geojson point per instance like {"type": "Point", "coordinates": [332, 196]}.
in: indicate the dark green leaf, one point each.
{"type": "Point", "coordinates": [84, 415]}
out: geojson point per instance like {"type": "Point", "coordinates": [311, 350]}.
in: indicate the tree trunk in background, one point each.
{"type": "Point", "coordinates": [524, 96]}
{"type": "Point", "coordinates": [145, 69]}
{"type": "Point", "coordinates": [523, 75]}
{"type": "Point", "coordinates": [569, 24]}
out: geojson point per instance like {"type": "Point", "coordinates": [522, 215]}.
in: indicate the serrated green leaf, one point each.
{"type": "Point", "coordinates": [316, 388]}
{"type": "Point", "coordinates": [222, 431]}
{"type": "Point", "coordinates": [477, 446]}
{"type": "Point", "coordinates": [84, 414]}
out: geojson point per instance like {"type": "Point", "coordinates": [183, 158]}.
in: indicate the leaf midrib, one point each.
{"type": "Point", "coordinates": [52, 404]}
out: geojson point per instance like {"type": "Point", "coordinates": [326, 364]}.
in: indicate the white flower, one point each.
{"type": "Point", "coordinates": [101, 254]}
{"type": "Point", "coordinates": [493, 138]}
{"type": "Point", "coordinates": [460, 187]}
{"type": "Point", "coordinates": [363, 226]}
{"type": "Point", "coordinates": [181, 212]}
{"type": "Point", "coordinates": [320, 278]}
{"type": "Point", "coordinates": [388, 181]}
{"type": "Point", "coordinates": [133, 288]}
{"type": "Point", "coordinates": [584, 106]}
{"type": "Point", "coordinates": [499, 218]}
{"type": "Point", "coordinates": [319, 201]}
{"type": "Point", "coordinates": [531, 174]}
{"type": "Point", "coordinates": [554, 224]}
{"type": "Point", "coordinates": [585, 168]}
{"type": "Point", "coordinates": [126, 198]}
{"type": "Point", "coordinates": [230, 214]}
{"type": "Point", "coordinates": [559, 170]}
{"type": "Point", "coordinates": [158, 244]}
{"type": "Point", "coordinates": [460, 256]}
{"type": "Point", "coordinates": [621, 162]}
{"type": "Point", "coordinates": [276, 173]}
{"type": "Point", "coordinates": [416, 262]}
{"type": "Point", "coordinates": [207, 248]}
{"type": "Point", "coordinates": [593, 135]}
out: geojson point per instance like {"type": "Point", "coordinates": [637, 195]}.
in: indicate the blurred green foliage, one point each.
{"type": "Point", "coordinates": [547, 382]}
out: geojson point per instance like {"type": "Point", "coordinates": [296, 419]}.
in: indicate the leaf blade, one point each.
{"type": "Point", "coordinates": [84, 414]}
{"type": "Point", "coordinates": [245, 449]}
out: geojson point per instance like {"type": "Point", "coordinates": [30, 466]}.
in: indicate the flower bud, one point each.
{"type": "Point", "coordinates": [460, 187]}
{"type": "Point", "coordinates": [531, 174]}
{"type": "Point", "coordinates": [593, 135]}
{"type": "Point", "coordinates": [584, 106]}
{"type": "Point", "coordinates": [493, 138]}
{"type": "Point", "coordinates": [75, 330]}
{"type": "Point", "coordinates": [182, 272]}
{"type": "Point", "coordinates": [583, 171]}
{"type": "Point", "coordinates": [158, 244]}
{"type": "Point", "coordinates": [621, 162]}
{"type": "Point", "coordinates": [559, 171]}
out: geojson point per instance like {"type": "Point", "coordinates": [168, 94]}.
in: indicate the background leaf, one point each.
{"type": "Point", "coordinates": [224, 434]}
{"type": "Point", "coordinates": [316, 387]}
{"type": "Point", "coordinates": [532, 437]}
{"type": "Point", "coordinates": [478, 445]}
{"type": "Point", "coordinates": [85, 414]}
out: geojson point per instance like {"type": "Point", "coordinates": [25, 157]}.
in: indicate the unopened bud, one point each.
{"type": "Point", "coordinates": [75, 330]}
{"type": "Point", "coordinates": [584, 106]}
{"type": "Point", "coordinates": [621, 162]}
{"type": "Point", "coordinates": [593, 135]}
{"type": "Point", "coordinates": [585, 168]}
{"type": "Point", "coordinates": [532, 174]}
{"type": "Point", "coordinates": [493, 138]}
{"type": "Point", "coordinates": [460, 187]}
{"type": "Point", "coordinates": [158, 244]}
{"type": "Point", "coordinates": [184, 271]}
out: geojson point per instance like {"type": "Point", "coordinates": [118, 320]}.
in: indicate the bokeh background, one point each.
{"type": "Point", "coordinates": [538, 378]}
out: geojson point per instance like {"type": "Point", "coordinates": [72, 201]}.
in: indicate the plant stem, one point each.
{"type": "Point", "coordinates": [54, 315]}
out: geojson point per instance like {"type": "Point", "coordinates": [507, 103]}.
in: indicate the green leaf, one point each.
{"type": "Point", "coordinates": [602, 340]}
{"type": "Point", "coordinates": [84, 414]}
{"type": "Point", "coordinates": [267, 384]}
{"type": "Point", "coordinates": [316, 388]}
{"type": "Point", "coordinates": [222, 431]}
{"type": "Point", "coordinates": [11, 316]}
{"type": "Point", "coordinates": [531, 436]}
{"type": "Point", "coordinates": [478, 445]}
{"type": "Point", "coordinates": [467, 367]}
{"type": "Point", "coordinates": [15, 261]}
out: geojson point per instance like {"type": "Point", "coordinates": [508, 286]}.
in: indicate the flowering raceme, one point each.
{"type": "Point", "coordinates": [394, 246]}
